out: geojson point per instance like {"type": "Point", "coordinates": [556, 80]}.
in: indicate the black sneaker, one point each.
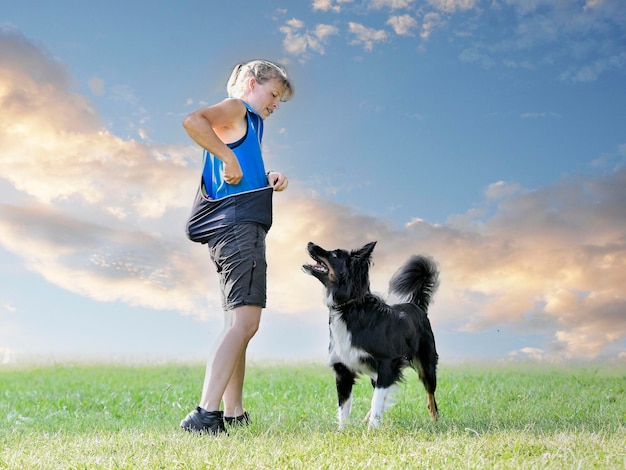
{"type": "Point", "coordinates": [201, 420]}
{"type": "Point", "coordinates": [241, 420]}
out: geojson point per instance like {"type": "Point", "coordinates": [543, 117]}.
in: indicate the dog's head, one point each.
{"type": "Point", "coordinates": [345, 274]}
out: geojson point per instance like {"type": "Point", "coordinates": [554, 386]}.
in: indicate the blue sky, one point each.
{"type": "Point", "coordinates": [488, 134]}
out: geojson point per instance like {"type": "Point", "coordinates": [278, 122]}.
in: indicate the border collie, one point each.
{"type": "Point", "coordinates": [367, 336]}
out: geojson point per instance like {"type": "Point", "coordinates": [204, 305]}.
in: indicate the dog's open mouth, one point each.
{"type": "Point", "coordinates": [320, 267]}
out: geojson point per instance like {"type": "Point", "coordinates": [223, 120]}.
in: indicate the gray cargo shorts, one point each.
{"type": "Point", "coordinates": [239, 256]}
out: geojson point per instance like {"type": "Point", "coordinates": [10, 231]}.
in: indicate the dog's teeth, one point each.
{"type": "Point", "coordinates": [319, 267]}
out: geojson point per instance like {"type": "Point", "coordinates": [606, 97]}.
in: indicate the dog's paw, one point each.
{"type": "Point", "coordinates": [342, 424]}
{"type": "Point", "coordinates": [374, 421]}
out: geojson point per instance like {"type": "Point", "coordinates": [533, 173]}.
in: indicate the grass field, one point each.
{"type": "Point", "coordinates": [113, 416]}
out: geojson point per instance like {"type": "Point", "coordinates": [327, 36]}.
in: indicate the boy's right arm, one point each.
{"type": "Point", "coordinates": [201, 125]}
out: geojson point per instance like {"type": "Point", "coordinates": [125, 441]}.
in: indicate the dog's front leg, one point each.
{"type": "Point", "coordinates": [375, 414]}
{"type": "Point", "coordinates": [344, 380]}
{"type": "Point", "coordinates": [382, 397]}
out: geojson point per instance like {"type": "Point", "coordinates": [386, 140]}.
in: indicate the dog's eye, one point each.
{"type": "Point", "coordinates": [334, 255]}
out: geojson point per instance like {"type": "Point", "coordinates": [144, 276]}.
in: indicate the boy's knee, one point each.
{"type": "Point", "coordinates": [247, 320]}
{"type": "Point", "coordinates": [248, 329]}
{"type": "Point", "coordinates": [252, 329]}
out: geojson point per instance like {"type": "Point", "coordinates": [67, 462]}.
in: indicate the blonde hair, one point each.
{"type": "Point", "coordinates": [262, 71]}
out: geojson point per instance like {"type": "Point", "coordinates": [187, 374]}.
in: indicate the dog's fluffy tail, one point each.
{"type": "Point", "coordinates": [416, 281]}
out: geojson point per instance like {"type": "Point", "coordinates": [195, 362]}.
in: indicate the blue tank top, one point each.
{"type": "Point", "coordinates": [248, 152]}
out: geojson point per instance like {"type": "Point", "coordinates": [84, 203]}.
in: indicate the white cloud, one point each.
{"type": "Point", "coordinates": [450, 6]}
{"type": "Point", "coordinates": [591, 71]}
{"type": "Point", "coordinates": [534, 354]}
{"type": "Point", "coordinates": [329, 5]}
{"type": "Point", "coordinates": [324, 31]}
{"type": "Point", "coordinates": [403, 24]}
{"type": "Point", "coordinates": [430, 23]}
{"type": "Point", "coordinates": [299, 41]}
{"type": "Point", "coordinates": [391, 4]}
{"type": "Point", "coordinates": [476, 55]}
{"type": "Point", "coordinates": [324, 5]}
{"type": "Point", "coordinates": [366, 36]}
{"type": "Point", "coordinates": [6, 307]}
{"type": "Point", "coordinates": [501, 189]}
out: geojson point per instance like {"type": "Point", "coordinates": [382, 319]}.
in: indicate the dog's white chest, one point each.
{"type": "Point", "coordinates": [342, 349]}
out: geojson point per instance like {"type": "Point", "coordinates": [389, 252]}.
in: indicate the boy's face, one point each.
{"type": "Point", "coordinates": [265, 98]}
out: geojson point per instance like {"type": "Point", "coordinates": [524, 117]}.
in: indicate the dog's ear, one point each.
{"type": "Point", "coordinates": [366, 251]}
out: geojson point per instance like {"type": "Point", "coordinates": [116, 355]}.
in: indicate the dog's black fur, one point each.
{"type": "Point", "coordinates": [367, 335]}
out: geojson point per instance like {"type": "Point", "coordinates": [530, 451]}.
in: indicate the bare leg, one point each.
{"type": "Point", "coordinates": [226, 362]}
{"type": "Point", "coordinates": [233, 395]}
{"type": "Point", "coordinates": [228, 323]}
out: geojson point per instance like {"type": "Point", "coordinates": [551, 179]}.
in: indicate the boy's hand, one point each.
{"type": "Point", "coordinates": [277, 180]}
{"type": "Point", "coordinates": [232, 172]}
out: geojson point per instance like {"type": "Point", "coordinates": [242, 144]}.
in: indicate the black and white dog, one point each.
{"type": "Point", "coordinates": [367, 335]}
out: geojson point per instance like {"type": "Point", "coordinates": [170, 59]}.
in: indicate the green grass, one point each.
{"type": "Point", "coordinates": [112, 416]}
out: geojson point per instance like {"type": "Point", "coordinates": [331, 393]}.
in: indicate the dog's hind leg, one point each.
{"type": "Point", "coordinates": [344, 380]}
{"type": "Point", "coordinates": [427, 371]}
